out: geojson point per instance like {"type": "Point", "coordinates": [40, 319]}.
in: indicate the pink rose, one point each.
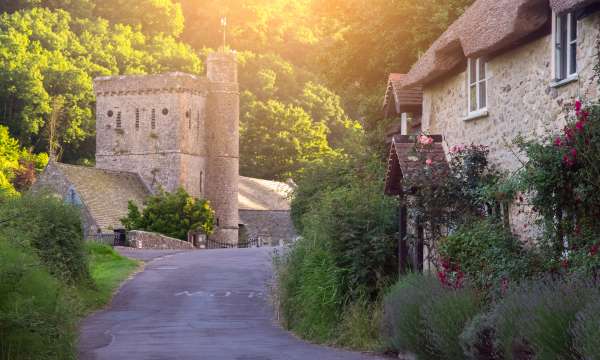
{"type": "Point", "coordinates": [425, 140]}
{"type": "Point", "coordinates": [580, 125]}
{"type": "Point", "coordinates": [428, 162]}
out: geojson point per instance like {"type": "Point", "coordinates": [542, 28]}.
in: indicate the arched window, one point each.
{"type": "Point", "coordinates": [201, 182]}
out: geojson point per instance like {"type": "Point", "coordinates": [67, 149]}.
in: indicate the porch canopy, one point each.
{"type": "Point", "coordinates": [403, 161]}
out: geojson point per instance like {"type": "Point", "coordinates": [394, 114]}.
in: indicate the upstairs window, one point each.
{"type": "Point", "coordinates": [565, 46]}
{"type": "Point", "coordinates": [477, 85]}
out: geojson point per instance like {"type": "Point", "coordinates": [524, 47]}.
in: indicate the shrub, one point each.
{"type": "Point", "coordinates": [586, 331]}
{"type": "Point", "coordinates": [477, 339]}
{"type": "Point", "coordinates": [359, 327]}
{"type": "Point", "coordinates": [402, 317]}
{"type": "Point", "coordinates": [309, 289]}
{"type": "Point", "coordinates": [535, 318]}
{"type": "Point", "coordinates": [172, 214]}
{"type": "Point", "coordinates": [487, 253]}
{"type": "Point", "coordinates": [445, 317]}
{"type": "Point", "coordinates": [53, 229]}
{"type": "Point", "coordinates": [357, 223]}
{"type": "Point", "coordinates": [37, 315]}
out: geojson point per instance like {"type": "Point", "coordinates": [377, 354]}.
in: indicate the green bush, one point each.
{"type": "Point", "coordinates": [37, 314]}
{"type": "Point", "coordinates": [477, 339]}
{"type": "Point", "coordinates": [402, 316]}
{"type": "Point", "coordinates": [586, 331]}
{"type": "Point", "coordinates": [445, 317]}
{"type": "Point", "coordinates": [425, 318]}
{"type": "Point", "coordinates": [52, 228]}
{"type": "Point", "coordinates": [309, 288]}
{"type": "Point", "coordinates": [535, 317]}
{"type": "Point", "coordinates": [486, 252]}
{"type": "Point", "coordinates": [172, 214]}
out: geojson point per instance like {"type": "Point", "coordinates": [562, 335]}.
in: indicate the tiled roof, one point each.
{"type": "Point", "coordinates": [257, 194]}
{"type": "Point", "coordinates": [487, 27]}
{"type": "Point", "coordinates": [105, 193]}
{"type": "Point", "coordinates": [403, 161]}
{"type": "Point", "coordinates": [404, 97]}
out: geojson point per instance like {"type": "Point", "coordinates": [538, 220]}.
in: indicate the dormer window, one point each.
{"type": "Point", "coordinates": [477, 86]}
{"type": "Point", "coordinates": [564, 35]}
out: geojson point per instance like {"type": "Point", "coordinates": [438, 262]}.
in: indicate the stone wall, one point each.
{"type": "Point", "coordinates": [148, 240]}
{"type": "Point", "coordinates": [273, 227]}
{"type": "Point", "coordinates": [222, 185]}
{"type": "Point", "coordinates": [521, 100]}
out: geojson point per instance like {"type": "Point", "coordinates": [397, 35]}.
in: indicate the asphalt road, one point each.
{"type": "Point", "coordinates": [211, 304]}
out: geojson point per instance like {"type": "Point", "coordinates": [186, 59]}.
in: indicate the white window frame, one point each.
{"type": "Point", "coordinates": [479, 110]}
{"type": "Point", "coordinates": [558, 47]}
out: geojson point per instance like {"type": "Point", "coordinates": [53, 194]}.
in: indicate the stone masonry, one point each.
{"type": "Point", "coordinates": [521, 100]}
{"type": "Point", "coordinates": [176, 130]}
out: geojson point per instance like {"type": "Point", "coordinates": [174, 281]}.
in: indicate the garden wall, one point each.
{"type": "Point", "coordinates": [148, 240]}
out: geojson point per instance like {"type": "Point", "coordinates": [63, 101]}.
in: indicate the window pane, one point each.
{"type": "Point", "coordinates": [562, 48]}
{"type": "Point", "coordinates": [481, 70]}
{"type": "Point", "coordinates": [473, 97]}
{"type": "Point", "coordinates": [482, 94]}
{"type": "Point", "coordinates": [472, 71]}
{"type": "Point", "coordinates": [573, 22]}
{"type": "Point", "coordinates": [573, 64]}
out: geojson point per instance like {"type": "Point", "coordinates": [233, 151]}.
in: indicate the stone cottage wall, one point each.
{"type": "Point", "coordinates": [521, 100]}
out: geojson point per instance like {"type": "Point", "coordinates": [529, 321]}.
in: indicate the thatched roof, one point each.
{"type": "Point", "coordinates": [487, 27]}
{"type": "Point", "coordinates": [561, 6]}
{"type": "Point", "coordinates": [403, 98]}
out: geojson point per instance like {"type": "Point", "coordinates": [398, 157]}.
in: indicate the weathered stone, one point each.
{"type": "Point", "coordinates": [148, 240]}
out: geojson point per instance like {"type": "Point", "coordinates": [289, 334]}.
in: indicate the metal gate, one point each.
{"type": "Point", "coordinates": [252, 242]}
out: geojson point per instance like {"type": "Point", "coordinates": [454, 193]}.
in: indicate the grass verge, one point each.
{"type": "Point", "coordinates": [108, 270]}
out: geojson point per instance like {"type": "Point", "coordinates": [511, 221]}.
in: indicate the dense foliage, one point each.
{"type": "Point", "coordinates": [347, 254]}
{"type": "Point", "coordinates": [172, 214]}
{"type": "Point", "coordinates": [18, 166]}
{"type": "Point", "coordinates": [52, 229]}
{"type": "Point", "coordinates": [49, 278]}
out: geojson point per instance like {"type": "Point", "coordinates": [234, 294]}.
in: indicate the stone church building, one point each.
{"type": "Point", "coordinates": [168, 131]}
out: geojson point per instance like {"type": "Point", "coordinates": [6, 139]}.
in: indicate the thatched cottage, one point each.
{"type": "Point", "coordinates": [504, 68]}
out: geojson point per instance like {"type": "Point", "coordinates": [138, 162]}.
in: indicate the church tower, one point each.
{"type": "Point", "coordinates": [223, 149]}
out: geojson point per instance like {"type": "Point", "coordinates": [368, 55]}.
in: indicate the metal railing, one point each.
{"type": "Point", "coordinates": [252, 242]}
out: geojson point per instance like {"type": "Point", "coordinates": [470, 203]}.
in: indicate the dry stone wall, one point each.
{"type": "Point", "coordinates": [148, 240]}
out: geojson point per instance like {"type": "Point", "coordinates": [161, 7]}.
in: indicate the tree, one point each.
{"type": "Point", "coordinates": [16, 164]}
{"type": "Point", "coordinates": [277, 140]}
{"type": "Point", "coordinates": [172, 214]}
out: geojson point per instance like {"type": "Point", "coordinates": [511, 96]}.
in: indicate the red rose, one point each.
{"type": "Point", "coordinates": [594, 250]}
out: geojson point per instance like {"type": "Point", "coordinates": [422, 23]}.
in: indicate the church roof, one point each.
{"type": "Point", "coordinates": [265, 195]}
{"type": "Point", "coordinates": [105, 193]}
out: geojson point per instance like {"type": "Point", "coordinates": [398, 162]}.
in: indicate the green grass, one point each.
{"type": "Point", "coordinates": [108, 270]}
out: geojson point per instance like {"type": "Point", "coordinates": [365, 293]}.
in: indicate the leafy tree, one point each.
{"type": "Point", "coordinates": [16, 164]}
{"type": "Point", "coordinates": [45, 55]}
{"type": "Point", "coordinates": [153, 16]}
{"type": "Point", "coordinates": [172, 214]}
{"type": "Point", "coordinates": [277, 140]}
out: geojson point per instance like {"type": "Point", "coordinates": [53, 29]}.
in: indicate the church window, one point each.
{"type": "Point", "coordinates": [137, 118]}
{"type": "Point", "coordinates": [188, 115]}
{"type": "Point", "coordinates": [153, 119]}
{"type": "Point", "coordinates": [165, 111]}
{"type": "Point", "coordinates": [119, 120]}
{"type": "Point", "coordinates": [201, 182]}
{"type": "Point", "coordinates": [110, 113]}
